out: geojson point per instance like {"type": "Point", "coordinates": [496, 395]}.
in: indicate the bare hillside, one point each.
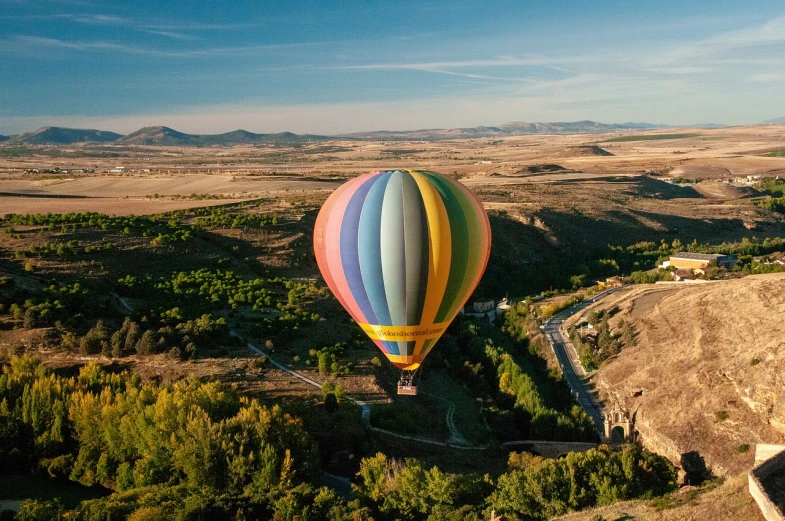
{"type": "Point", "coordinates": [708, 372]}
{"type": "Point", "coordinates": [731, 501]}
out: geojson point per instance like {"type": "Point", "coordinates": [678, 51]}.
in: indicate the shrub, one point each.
{"type": "Point", "coordinates": [259, 362]}
{"type": "Point", "coordinates": [324, 363]}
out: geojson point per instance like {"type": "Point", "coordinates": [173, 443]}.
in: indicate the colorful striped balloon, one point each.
{"type": "Point", "coordinates": [402, 250]}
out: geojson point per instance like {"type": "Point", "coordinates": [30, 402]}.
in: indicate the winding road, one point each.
{"type": "Point", "coordinates": [569, 361]}
{"type": "Point", "coordinates": [565, 353]}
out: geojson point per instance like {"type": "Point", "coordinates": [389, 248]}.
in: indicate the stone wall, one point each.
{"type": "Point", "coordinates": [769, 459]}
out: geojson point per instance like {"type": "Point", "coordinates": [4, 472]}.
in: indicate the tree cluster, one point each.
{"type": "Point", "coordinates": [193, 450]}
{"type": "Point", "coordinates": [528, 402]}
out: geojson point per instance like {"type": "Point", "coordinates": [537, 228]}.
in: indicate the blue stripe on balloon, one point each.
{"type": "Point", "coordinates": [369, 248]}
{"type": "Point", "coordinates": [349, 248]}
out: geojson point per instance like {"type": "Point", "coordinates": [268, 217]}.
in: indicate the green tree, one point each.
{"type": "Point", "coordinates": [146, 343]}
{"type": "Point", "coordinates": [324, 363]}
{"type": "Point", "coordinates": [131, 336]}
{"type": "Point", "coordinates": [96, 340]}
{"type": "Point", "coordinates": [32, 510]}
{"type": "Point", "coordinates": [118, 342]}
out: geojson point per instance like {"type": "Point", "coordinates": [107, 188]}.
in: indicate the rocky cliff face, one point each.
{"type": "Point", "coordinates": [706, 378]}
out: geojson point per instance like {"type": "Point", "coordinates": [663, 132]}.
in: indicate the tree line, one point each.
{"type": "Point", "coordinates": [503, 366]}
{"type": "Point", "coordinates": [193, 450]}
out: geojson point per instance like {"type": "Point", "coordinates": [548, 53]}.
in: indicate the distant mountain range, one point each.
{"type": "Point", "coordinates": [165, 136]}
{"type": "Point", "coordinates": [513, 128]}
{"type": "Point", "coordinates": [65, 136]}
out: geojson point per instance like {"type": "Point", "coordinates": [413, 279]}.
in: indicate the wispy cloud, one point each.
{"type": "Point", "coordinates": [28, 45]}
{"type": "Point", "coordinates": [426, 66]}
{"type": "Point", "coordinates": [171, 34]}
{"type": "Point", "coordinates": [199, 26]}
{"type": "Point", "coordinates": [81, 3]}
{"type": "Point", "coordinates": [132, 24]}
{"type": "Point", "coordinates": [476, 77]}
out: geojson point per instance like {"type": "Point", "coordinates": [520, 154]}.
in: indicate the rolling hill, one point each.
{"type": "Point", "coordinates": [512, 128]}
{"type": "Point", "coordinates": [165, 136]}
{"type": "Point", "coordinates": [65, 136]}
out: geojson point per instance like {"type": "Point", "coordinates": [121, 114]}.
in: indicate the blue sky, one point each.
{"type": "Point", "coordinates": [331, 67]}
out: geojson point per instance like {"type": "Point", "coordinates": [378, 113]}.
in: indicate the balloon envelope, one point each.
{"type": "Point", "coordinates": [402, 250]}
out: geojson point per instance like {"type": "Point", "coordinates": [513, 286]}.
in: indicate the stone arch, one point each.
{"type": "Point", "coordinates": [618, 434]}
{"type": "Point", "coordinates": [618, 426]}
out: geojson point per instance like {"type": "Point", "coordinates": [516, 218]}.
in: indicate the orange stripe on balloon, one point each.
{"type": "Point", "coordinates": [320, 243]}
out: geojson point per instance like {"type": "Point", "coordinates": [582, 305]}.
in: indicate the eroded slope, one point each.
{"type": "Point", "coordinates": [708, 372]}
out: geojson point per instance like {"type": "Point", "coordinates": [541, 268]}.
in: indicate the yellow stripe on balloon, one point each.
{"type": "Point", "coordinates": [408, 363]}
{"type": "Point", "coordinates": [404, 333]}
{"type": "Point", "coordinates": [440, 245]}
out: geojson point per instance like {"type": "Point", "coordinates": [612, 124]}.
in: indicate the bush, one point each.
{"type": "Point", "coordinates": [259, 362]}
{"type": "Point", "coordinates": [324, 364]}
{"type": "Point", "coordinates": [147, 514]}
{"type": "Point", "coordinates": [32, 510]}
{"type": "Point", "coordinates": [720, 416]}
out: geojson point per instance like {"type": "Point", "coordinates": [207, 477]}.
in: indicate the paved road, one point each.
{"type": "Point", "coordinates": [568, 358]}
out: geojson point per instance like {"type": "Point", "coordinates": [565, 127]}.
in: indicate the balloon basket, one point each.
{"type": "Point", "coordinates": [407, 387]}
{"type": "Point", "coordinates": [407, 390]}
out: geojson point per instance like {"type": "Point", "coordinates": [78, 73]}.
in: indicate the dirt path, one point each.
{"type": "Point", "coordinates": [456, 440]}
{"type": "Point", "coordinates": [455, 436]}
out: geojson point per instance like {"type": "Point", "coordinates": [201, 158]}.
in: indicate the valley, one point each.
{"type": "Point", "coordinates": [148, 268]}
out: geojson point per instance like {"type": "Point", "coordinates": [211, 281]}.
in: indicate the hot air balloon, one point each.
{"type": "Point", "coordinates": [402, 251]}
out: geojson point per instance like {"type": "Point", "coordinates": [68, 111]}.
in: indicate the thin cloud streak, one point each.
{"type": "Point", "coordinates": [735, 73]}
{"type": "Point", "coordinates": [22, 43]}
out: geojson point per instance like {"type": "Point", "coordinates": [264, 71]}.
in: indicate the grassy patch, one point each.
{"type": "Point", "coordinates": [687, 497]}
{"type": "Point", "coordinates": [415, 416]}
{"type": "Point", "coordinates": [467, 415]}
{"type": "Point", "coordinates": [776, 153]}
{"type": "Point", "coordinates": [652, 137]}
